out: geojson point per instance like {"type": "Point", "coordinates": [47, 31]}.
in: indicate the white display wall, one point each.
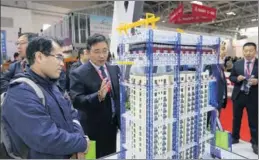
{"type": "Point", "coordinates": [238, 45]}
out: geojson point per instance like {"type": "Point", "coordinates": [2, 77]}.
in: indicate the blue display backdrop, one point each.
{"type": "Point", "coordinates": [3, 45]}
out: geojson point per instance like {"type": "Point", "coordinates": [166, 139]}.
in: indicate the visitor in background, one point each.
{"type": "Point", "coordinates": [229, 66]}
{"type": "Point", "coordinates": [16, 57]}
{"type": "Point", "coordinates": [19, 66]}
{"type": "Point", "coordinates": [83, 58]}
{"type": "Point", "coordinates": [244, 75]}
{"type": "Point", "coordinates": [22, 65]}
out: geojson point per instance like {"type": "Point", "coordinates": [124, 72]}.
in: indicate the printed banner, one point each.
{"type": "Point", "coordinates": [201, 10]}
{"type": "Point", "coordinates": [175, 14]}
{"type": "Point", "coordinates": [189, 18]}
{"type": "Point", "coordinates": [101, 25]}
{"type": "Point", "coordinates": [199, 14]}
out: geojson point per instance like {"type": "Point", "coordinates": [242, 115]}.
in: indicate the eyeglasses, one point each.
{"type": "Point", "coordinates": [58, 57]}
{"type": "Point", "coordinates": [20, 43]}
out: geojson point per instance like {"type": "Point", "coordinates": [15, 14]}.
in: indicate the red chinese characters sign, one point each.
{"type": "Point", "coordinates": [175, 14]}
{"type": "Point", "coordinates": [199, 14]}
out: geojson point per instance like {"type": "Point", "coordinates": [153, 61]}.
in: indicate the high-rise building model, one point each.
{"type": "Point", "coordinates": [162, 104]}
{"type": "Point", "coordinates": [168, 110]}
{"type": "Point", "coordinates": [163, 115]}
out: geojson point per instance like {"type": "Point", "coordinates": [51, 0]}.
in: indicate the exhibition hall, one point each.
{"type": "Point", "coordinates": [129, 79]}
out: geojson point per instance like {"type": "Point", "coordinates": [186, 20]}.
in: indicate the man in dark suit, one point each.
{"type": "Point", "coordinates": [245, 94]}
{"type": "Point", "coordinates": [217, 71]}
{"type": "Point", "coordinates": [82, 59]}
{"type": "Point", "coordinates": [94, 90]}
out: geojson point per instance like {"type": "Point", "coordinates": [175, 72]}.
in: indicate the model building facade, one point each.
{"type": "Point", "coordinates": [163, 113]}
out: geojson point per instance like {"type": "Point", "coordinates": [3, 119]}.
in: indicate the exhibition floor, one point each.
{"type": "Point", "coordinates": [244, 147]}
{"type": "Point", "coordinates": [242, 150]}
{"type": "Point", "coordinates": [226, 121]}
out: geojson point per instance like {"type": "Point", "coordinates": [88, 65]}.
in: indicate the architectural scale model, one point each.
{"type": "Point", "coordinates": [162, 103]}
{"type": "Point", "coordinates": [168, 110]}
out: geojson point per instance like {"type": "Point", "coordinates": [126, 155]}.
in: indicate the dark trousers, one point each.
{"type": "Point", "coordinates": [106, 141]}
{"type": "Point", "coordinates": [105, 136]}
{"type": "Point", "coordinates": [251, 105]}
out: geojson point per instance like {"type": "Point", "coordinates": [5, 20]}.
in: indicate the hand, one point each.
{"type": "Point", "coordinates": [74, 156]}
{"type": "Point", "coordinates": [253, 81]}
{"type": "Point", "coordinates": [104, 88]}
{"type": "Point", "coordinates": [80, 155]}
{"type": "Point", "coordinates": [88, 145]}
{"type": "Point", "coordinates": [241, 78]}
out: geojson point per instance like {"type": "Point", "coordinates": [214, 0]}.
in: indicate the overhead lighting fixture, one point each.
{"type": "Point", "coordinates": [163, 21]}
{"type": "Point", "coordinates": [45, 26]}
{"type": "Point", "coordinates": [255, 19]}
{"type": "Point", "coordinates": [197, 2]}
{"type": "Point", "coordinates": [231, 13]}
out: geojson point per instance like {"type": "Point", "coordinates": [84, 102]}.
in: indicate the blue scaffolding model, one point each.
{"type": "Point", "coordinates": [176, 40]}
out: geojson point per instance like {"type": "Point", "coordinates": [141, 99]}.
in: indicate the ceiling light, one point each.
{"type": "Point", "coordinates": [197, 2]}
{"type": "Point", "coordinates": [45, 26]}
{"type": "Point", "coordinates": [255, 19]}
{"type": "Point", "coordinates": [231, 13]}
{"type": "Point", "coordinates": [163, 21]}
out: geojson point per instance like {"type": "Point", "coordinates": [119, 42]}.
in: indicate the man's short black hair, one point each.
{"type": "Point", "coordinates": [80, 51]}
{"type": "Point", "coordinates": [40, 44]}
{"type": "Point", "coordinates": [16, 54]}
{"type": "Point", "coordinates": [30, 36]}
{"type": "Point", "coordinates": [96, 38]}
{"type": "Point", "coordinates": [250, 44]}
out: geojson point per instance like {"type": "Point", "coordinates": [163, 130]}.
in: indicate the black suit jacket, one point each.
{"type": "Point", "coordinates": [238, 69]}
{"type": "Point", "coordinates": [216, 70]}
{"type": "Point", "coordinates": [84, 85]}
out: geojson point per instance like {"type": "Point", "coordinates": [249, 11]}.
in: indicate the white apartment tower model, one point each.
{"type": "Point", "coordinates": [163, 115]}
{"type": "Point", "coordinates": [162, 107]}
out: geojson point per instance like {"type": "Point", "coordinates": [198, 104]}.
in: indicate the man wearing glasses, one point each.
{"type": "Point", "coordinates": [50, 131]}
{"type": "Point", "coordinates": [22, 65]}
{"type": "Point", "coordinates": [19, 66]}
{"type": "Point", "coordinates": [94, 90]}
